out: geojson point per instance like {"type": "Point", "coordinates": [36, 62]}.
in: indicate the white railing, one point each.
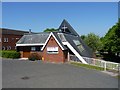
{"type": "Point", "coordinates": [97, 62]}
{"type": "Point", "coordinates": [102, 63]}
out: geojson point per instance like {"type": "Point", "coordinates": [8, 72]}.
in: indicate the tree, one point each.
{"type": "Point", "coordinates": [93, 41]}
{"type": "Point", "coordinates": [111, 41]}
{"type": "Point", "coordinates": [50, 30]}
{"type": "Point", "coordinates": [83, 37]}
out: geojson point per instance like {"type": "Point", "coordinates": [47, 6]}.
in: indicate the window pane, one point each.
{"type": "Point", "coordinates": [79, 45]}
{"type": "Point", "coordinates": [32, 48]}
{"type": "Point", "coordinates": [4, 39]}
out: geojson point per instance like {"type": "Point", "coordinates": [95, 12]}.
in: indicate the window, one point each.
{"type": "Point", "coordinates": [3, 48]}
{"type": "Point", "coordinates": [5, 39]}
{"type": "Point", "coordinates": [38, 49]}
{"type": "Point", "coordinates": [52, 50]}
{"type": "Point", "coordinates": [33, 48]}
{"type": "Point", "coordinates": [79, 45]}
{"type": "Point", "coordinates": [8, 47]}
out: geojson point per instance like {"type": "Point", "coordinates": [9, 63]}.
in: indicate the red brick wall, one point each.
{"type": "Point", "coordinates": [60, 57]}
{"type": "Point", "coordinates": [12, 39]}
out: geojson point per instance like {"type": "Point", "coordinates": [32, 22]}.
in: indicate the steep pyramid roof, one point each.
{"type": "Point", "coordinates": [65, 27]}
{"type": "Point", "coordinates": [68, 34]}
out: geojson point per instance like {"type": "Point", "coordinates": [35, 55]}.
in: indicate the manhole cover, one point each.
{"type": "Point", "coordinates": [25, 78]}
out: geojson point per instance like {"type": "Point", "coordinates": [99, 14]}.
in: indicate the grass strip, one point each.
{"type": "Point", "coordinates": [87, 66]}
{"type": "Point", "coordinates": [118, 76]}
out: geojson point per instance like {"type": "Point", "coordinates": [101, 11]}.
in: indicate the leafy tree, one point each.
{"type": "Point", "coordinates": [111, 41]}
{"type": "Point", "coordinates": [83, 37]}
{"type": "Point", "coordinates": [93, 41]}
{"type": "Point", "coordinates": [50, 30]}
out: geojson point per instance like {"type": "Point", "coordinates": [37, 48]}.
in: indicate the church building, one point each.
{"type": "Point", "coordinates": [55, 46]}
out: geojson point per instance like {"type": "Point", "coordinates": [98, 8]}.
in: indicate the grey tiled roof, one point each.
{"type": "Point", "coordinates": [33, 38]}
{"type": "Point", "coordinates": [87, 52]}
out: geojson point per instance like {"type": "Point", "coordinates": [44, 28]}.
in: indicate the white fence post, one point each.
{"type": "Point", "coordinates": [104, 65]}
{"type": "Point", "coordinates": [68, 56]}
{"type": "Point", "coordinates": [101, 63]}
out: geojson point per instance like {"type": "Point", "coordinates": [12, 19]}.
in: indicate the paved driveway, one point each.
{"type": "Point", "coordinates": [28, 74]}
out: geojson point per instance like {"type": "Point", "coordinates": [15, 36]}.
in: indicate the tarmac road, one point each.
{"type": "Point", "coordinates": [38, 74]}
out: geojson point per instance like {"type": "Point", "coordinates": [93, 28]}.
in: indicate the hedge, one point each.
{"type": "Point", "coordinates": [9, 54]}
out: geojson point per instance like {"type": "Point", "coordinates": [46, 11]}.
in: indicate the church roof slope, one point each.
{"type": "Point", "coordinates": [78, 44]}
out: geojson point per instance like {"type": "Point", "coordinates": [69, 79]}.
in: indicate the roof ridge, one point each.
{"type": "Point", "coordinates": [14, 30]}
{"type": "Point", "coordinates": [36, 33]}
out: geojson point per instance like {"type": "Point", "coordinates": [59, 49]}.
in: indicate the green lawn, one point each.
{"type": "Point", "coordinates": [118, 76]}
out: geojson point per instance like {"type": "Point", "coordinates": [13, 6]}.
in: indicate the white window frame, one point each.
{"type": "Point", "coordinates": [5, 39]}
{"type": "Point", "coordinates": [52, 50]}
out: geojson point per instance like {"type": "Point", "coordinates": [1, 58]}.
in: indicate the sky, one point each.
{"type": "Point", "coordinates": [84, 17]}
{"type": "Point", "coordinates": [119, 9]}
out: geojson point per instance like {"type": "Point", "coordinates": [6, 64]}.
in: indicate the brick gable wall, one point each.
{"type": "Point", "coordinates": [59, 57]}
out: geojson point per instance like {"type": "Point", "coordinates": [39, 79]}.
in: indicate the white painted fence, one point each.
{"type": "Point", "coordinates": [97, 62]}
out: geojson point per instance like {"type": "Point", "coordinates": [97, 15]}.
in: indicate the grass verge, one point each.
{"type": "Point", "coordinates": [118, 76]}
{"type": "Point", "coordinates": [87, 66]}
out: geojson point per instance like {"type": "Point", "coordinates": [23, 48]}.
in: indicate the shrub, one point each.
{"type": "Point", "coordinates": [34, 56]}
{"type": "Point", "coordinates": [10, 54]}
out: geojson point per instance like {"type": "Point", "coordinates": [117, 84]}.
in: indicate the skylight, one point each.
{"type": "Point", "coordinates": [79, 45]}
